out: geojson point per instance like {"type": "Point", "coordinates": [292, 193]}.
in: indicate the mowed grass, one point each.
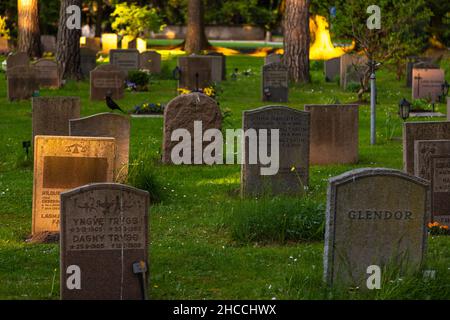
{"type": "Point", "coordinates": [193, 253]}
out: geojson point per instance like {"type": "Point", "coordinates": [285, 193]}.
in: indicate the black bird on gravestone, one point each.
{"type": "Point", "coordinates": [112, 104]}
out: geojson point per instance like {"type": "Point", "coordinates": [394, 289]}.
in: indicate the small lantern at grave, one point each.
{"type": "Point", "coordinates": [404, 108]}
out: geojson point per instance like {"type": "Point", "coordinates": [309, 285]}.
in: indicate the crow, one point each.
{"type": "Point", "coordinates": [112, 104]}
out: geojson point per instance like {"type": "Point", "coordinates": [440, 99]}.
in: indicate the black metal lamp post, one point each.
{"type": "Point", "coordinates": [445, 87]}
{"type": "Point", "coordinates": [404, 108]}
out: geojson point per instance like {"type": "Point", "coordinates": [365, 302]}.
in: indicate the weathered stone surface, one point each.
{"type": "Point", "coordinates": [412, 131]}
{"type": "Point", "coordinates": [418, 62]}
{"type": "Point", "coordinates": [432, 163]}
{"type": "Point", "coordinates": [196, 72]}
{"type": "Point", "coordinates": [126, 60]}
{"type": "Point", "coordinates": [374, 217]}
{"type": "Point", "coordinates": [107, 125]}
{"type": "Point", "coordinates": [107, 79]}
{"type": "Point", "coordinates": [272, 58]}
{"type": "Point", "coordinates": [103, 233]}
{"type": "Point", "coordinates": [48, 43]}
{"type": "Point", "coordinates": [427, 84]}
{"type": "Point", "coordinates": [150, 60]}
{"type": "Point", "coordinates": [51, 115]}
{"type": "Point", "coordinates": [352, 69]}
{"type": "Point", "coordinates": [448, 108]}
{"type": "Point", "coordinates": [332, 69]}
{"type": "Point", "coordinates": [224, 62]}
{"type": "Point", "coordinates": [334, 134]}
{"type": "Point", "coordinates": [22, 82]}
{"type": "Point", "coordinates": [275, 82]}
{"type": "Point", "coordinates": [17, 59]}
{"type": "Point", "coordinates": [181, 113]}
{"type": "Point", "coordinates": [293, 173]}
{"type": "Point", "coordinates": [47, 73]}
{"type": "Point", "coordinates": [63, 163]}
{"type": "Point", "coordinates": [88, 61]}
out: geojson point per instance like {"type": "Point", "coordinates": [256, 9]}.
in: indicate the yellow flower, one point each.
{"type": "Point", "coordinates": [293, 169]}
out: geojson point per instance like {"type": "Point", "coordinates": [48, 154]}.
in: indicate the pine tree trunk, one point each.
{"type": "Point", "coordinates": [297, 40]}
{"type": "Point", "coordinates": [29, 38]}
{"type": "Point", "coordinates": [68, 45]}
{"type": "Point", "coordinates": [99, 18]}
{"type": "Point", "coordinates": [196, 40]}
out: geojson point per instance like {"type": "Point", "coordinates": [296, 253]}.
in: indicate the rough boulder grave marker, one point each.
{"type": "Point", "coordinates": [432, 163]}
{"type": "Point", "coordinates": [427, 84]}
{"type": "Point", "coordinates": [63, 163]}
{"type": "Point", "coordinates": [150, 60]}
{"type": "Point", "coordinates": [293, 173]}
{"type": "Point", "coordinates": [182, 113]}
{"type": "Point", "coordinates": [275, 82]}
{"type": "Point", "coordinates": [374, 217]}
{"type": "Point", "coordinates": [107, 79]}
{"type": "Point", "coordinates": [51, 115]}
{"type": "Point", "coordinates": [21, 82]}
{"type": "Point", "coordinates": [107, 125]}
{"type": "Point", "coordinates": [332, 68]}
{"type": "Point", "coordinates": [105, 252]}
{"type": "Point", "coordinates": [413, 131]}
{"type": "Point", "coordinates": [47, 73]}
{"type": "Point", "coordinates": [125, 59]}
{"type": "Point", "coordinates": [334, 134]}
{"type": "Point", "coordinates": [196, 72]}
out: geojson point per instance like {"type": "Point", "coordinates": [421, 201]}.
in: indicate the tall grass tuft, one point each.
{"type": "Point", "coordinates": [142, 175]}
{"type": "Point", "coordinates": [278, 220]}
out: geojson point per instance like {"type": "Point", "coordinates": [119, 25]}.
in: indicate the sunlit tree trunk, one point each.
{"type": "Point", "coordinates": [29, 37]}
{"type": "Point", "coordinates": [297, 39]}
{"type": "Point", "coordinates": [68, 44]}
{"type": "Point", "coordinates": [196, 40]}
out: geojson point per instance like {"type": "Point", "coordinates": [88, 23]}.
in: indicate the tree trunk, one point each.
{"type": "Point", "coordinates": [297, 40]}
{"type": "Point", "coordinates": [196, 40]}
{"type": "Point", "coordinates": [99, 18]}
{"type": "Point", "coordinates": [29, 38]}
{"type": "Point", "coordinates": [68, 44]}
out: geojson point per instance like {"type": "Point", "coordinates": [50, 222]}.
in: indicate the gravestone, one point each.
{"type": "Point", "coordinates": [275, 82]}
{"type": "Point", "coordinates": [196, 72]}
{"type": "Point", "coordinates": [293, 173]}
{"type": "Point", "coordinates": [412, 131]}
{"type": "Point", "coordinates": [334, 134]}
{"type": "Point", "coordinates": [107, 79]}
{"type": "Point", "coordinates": [181, 113]}
{"type": "Point", "coordinates": [4, 46]}
{"type": "Point", "coordinates": [272, 58]}
{"type": "Point", "coordinates": [64, 163]}
{"type": "Point", "coordinates": [126, 60]}
{"type": "Point", "coordinates": [109, 42]}
{"type": "Point", "coordinates": [47, 73]}
{"type": "Point", "coordinates": [150, 60]}
{"type": "Point", "coordinates": [223, 61]}
{"type": "Point", "coordinates": [332, 69]}
{"type": "Point", "coordinates": [48, 43]}
{"type": "Point", "coordinates": [418, 61]}
{"type": "Point", "coordinates": [352, 69]}
{"type": "Point", "coordinates": [432, 163]}
{"type": "Point", "coordinates": [21, 82]}
{"type": "Point", "coordinates": [107, 125]}
{"type": "Point", "coordinates": [103, 234]}
{"type": "Point", "coordinates": [51, 115]}
{"type": "Point", "coordinates": [17, 59]}
{"type": "Point", "coordinates": [94, 44]}
{"type": "Point", "coordinates": [427, 84]}
{"type": "Point", "coordinates": [374, 217]}
{"type": "Point", "coordinates": [448, 108]}
{"type": "Point", "coordinates": [88, 61]}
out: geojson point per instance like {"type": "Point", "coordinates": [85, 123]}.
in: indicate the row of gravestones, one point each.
{"type": "Point", "coordinates": [102, 225]}
{"type": "Point", "coordinates": [424, 76]}
{"type": "Point", "coordinates": [48, 44]}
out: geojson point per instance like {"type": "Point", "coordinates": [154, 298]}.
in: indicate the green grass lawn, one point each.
{"type": "Point", "coordinates": [193, 254]}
